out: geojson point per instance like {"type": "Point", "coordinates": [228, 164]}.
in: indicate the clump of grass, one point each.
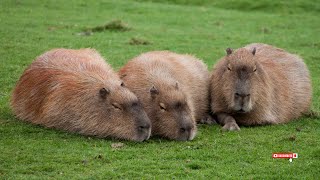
{"type": "Point", "coordinates": [292, 137]}
{"type": "Point", "coordinates": [194, 166]}
{"type": "Point", "coordinates": [114, 25]}
{"type": "Point", "coordinates": [138, 41]}
{"type": "Point", "coordinates": [265, 30]}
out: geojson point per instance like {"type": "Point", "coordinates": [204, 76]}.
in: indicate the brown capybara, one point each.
{"type": "Point", "coordinates": [77, 91]}
{"type": "Point", "coordinates": [173, 89]}
{"type": "Point", "coordinates": [259, 84]}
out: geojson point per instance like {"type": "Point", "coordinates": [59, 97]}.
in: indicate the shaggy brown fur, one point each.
{"type": "Point", "coordinates": [259, 84]}
{"type": "Point", "coordinates": [77, 91]}
{"type": "Point", "coordinates": [174, 90]}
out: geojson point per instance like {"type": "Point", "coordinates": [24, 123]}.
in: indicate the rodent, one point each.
{"type": "Point", "coordinates": [77, 91]}
{"type": "Point", "coordinates": [174, 90]}
{"type": "Point", "coordinates": [259, 84]}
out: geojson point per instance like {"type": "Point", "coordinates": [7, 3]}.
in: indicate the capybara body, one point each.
{"type": "Point", "coordinates": [174, 90]}
{"type": "Point", "coordinates": [259, 84]}
{"type": "Point", "coordinates": [77, 91]}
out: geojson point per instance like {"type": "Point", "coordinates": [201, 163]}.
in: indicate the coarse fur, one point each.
{"type": "Point", "coordinates": [174, 90]}
{"type": "Point", "coordinates": [259, 84]}
{"type": "Point", "coordinates": [77, 91]}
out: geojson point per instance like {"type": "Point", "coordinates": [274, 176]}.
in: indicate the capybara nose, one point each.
{"type": "Point", "coordinates": [186, 132]}
{"type": "Point", "coordinates": [186, 128]}
{"type": "Point", "coordinates": [144, 131]}
{"type": "Point", "coordinates": [144, 127]}
{"type": "Point", "coordinates": [243, 95]}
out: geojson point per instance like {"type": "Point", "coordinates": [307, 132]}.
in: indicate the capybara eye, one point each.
{"type": "Point", "coordinates": [122, 84]}
{"type": "Point", "coordinates": [162, 106]}
{"type": "Point", "coordinates": [229, 68]}
{"type": "Point", "coordinates": [134, 104]}
{"type": "Point", "coordinates": [178, 105]}
{"type": "Point", "coordinates": [104, 92]}
{"type": "Point", "coordinates": [116, 106]}
{"type": "Point", "coordinates": [255, 69]}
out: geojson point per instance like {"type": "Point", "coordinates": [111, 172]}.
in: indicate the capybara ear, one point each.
{"type": "Point", "coordinates": [154, 91]}
{"type": "Point", "coordinates": [254, 51]}
{"type": "Point", "coordinates": [229, 51]}
{"type": "Point", "coordinates": [104, 92]}
{"type": "Point", "coordinates": [177, 86]}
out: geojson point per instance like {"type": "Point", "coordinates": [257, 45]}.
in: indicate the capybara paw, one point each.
{"type": "Point", "coordinates": [208, 120]}
{"type": "Point", "coordinates": [231, 127]}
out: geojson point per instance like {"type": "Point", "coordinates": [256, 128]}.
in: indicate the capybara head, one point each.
{"type": "Point", "coordinates": [124, 113]}
{"type": "Point", "coordinates": [241, 78]}
{"type": "Point", "coordinates": [170, 113]}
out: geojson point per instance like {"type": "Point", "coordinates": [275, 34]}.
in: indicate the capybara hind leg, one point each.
{"type": "Point", "coordinates": [228, 122]}
{"type": "Point", "coordinates": [207, 119]}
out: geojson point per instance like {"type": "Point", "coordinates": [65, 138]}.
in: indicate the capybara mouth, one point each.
{"type": "Point", "coordinates": [143, 134]}
{"type": "Point", "coordinates": [187, 136]}
{"type": "Point", "coordinates": [241, 111]}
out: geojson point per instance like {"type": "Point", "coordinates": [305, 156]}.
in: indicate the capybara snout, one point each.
{"type": "Point", "coordinates": [142, 122]}
{"type": "Point", "coordinates": [242, 102]}
{"type": "Point", "coordinates": [187, 130]}
{"type": "Point", "coordinates": [77, 91]}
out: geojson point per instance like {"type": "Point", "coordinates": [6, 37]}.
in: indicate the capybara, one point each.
{"type": "Point", "coordinates": [77, 91]}
{"type": "Point", "coordinates": [259, 84]}
{"type": "Point", "coordinates": [173, 89]}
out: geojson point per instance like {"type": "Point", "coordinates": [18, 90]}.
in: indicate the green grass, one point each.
{"type": "Point", "coordinates": [203, 28]}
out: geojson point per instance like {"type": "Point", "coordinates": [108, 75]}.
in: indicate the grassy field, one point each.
{"type": "Point", "coordinates": [203, 28]}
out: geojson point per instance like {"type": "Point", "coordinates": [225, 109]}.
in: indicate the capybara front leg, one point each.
{"type": "Point", "coordinates": [228, 122]}
{"type": "Point", "coordinates": [207, 119]}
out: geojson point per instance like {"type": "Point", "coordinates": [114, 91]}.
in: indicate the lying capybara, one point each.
{"type": "Point", "coordinates": [173, 89]}
{"type": "Point", "coordinates": [77, 91]}
{"type": "Point", "coordinates": [259, 84]}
